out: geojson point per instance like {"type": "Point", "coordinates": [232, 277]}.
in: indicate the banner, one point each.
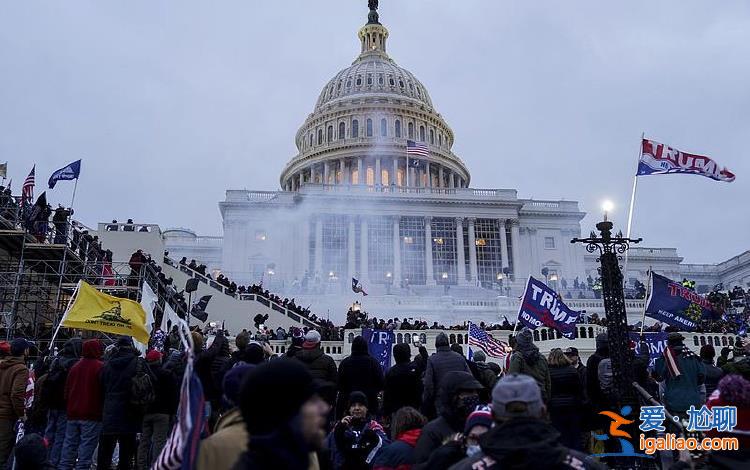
{"type": "Point", "coordinates": [542, 306]}
{"type": "Point", "coordinates": [94, 310]}
{"type": "Point", "coordinates": [69, 172]}
{"type": "Point", "coordinates": [658, 159]}
{"type": "Point", "coordinates": [655, 342]}
{"type": "Point", "coordinates": [670, 303]}
{"type": "Point", "coordinates": [380, 345]}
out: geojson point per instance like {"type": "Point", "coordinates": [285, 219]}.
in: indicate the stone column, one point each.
{"type": "Point", "coordinates": [319, 246]}
{"type": "Point", "coordinates": [301, 179]}
{"type": "Point", "coordinates": [440, 177]}
{"type": "Point", "coordinates": [429, 277]}
{"type": "Point", "coordinates": [503, 243]}
{"type": "Point", "coordinates": [460, 257]}
{"type": "Point", "coordinates": [342, 166]}
{"type": "Point", "coordinates": [364, 268]}
{"type": "Point", "coordinates": [515, 241]}
{"type": "Point", "coordinates": [351, 255]}
{"type": "Point", "coordinates": [472, 253]}
{"type": "Point", "coordinates": [396, 252]}
{"type": "Point", "coordinates": [378, 174]}
{"type": "Point", "coordinates": [361, 171]}
{"type": "Point", "coordinates": [394, 177]}
{"type": "Point", "coordinates": [428, 183]}
{"type": "Point", "coordinates": [326, 172]}
{"type": "Point", "coordinates": [452, 180]}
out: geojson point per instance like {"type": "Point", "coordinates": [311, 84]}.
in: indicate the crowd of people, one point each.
{"type": "Point", "coordinates": [300, 410]}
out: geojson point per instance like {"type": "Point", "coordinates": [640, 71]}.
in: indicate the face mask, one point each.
{"type": "Point", "coordinates": [472, 450]}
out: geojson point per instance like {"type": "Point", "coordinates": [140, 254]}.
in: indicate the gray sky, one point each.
{"type": "Point", "coordinates": [170, 103]}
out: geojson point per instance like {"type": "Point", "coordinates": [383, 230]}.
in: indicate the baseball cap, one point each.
{"type": "Point", "coordinates": [674, 338]}
{"type": "Point", "coordinates": [18, 346]}
{"type": "Point", "coordinates": [516, 388]}
{"type": "Point", "coordinates": [571, 351]}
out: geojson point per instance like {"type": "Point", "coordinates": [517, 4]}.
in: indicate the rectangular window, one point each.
{"type": "Point", "coordinates": [335, 245]}
{"type": "Point", "coordinates": [411, 231]}
{"type": "Point", "coordinates": [549, 243]}
{"type": "Point", "coordinates": [380, 248]}
{"type": "Point", "coordinates": [489, 252]}
{"type": "Point", "coordinates": [444, 250]}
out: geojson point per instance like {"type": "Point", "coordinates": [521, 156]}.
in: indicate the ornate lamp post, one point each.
{"type": "Point", "coordinates": [610, 248]}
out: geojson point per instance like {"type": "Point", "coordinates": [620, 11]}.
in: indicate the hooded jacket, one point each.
{"type": "Point", "coordinates": [13, 377]}
{"type": "Point", "coordinates": [439, 364]}
{"type": "Point", "coordinates": [682, 391]}
{"type": "Point", "coordinates": [399, 454]}
{"type": "Point", "coordinates": [526, 359]}
{"type": "Point", "coordinates": [523, 443]}
{"type": "Point", "coordinates": [594, 392]}
{"type": "Point", "coordinates": [359, 372]}
{"type": "Point", "coordinates": [84, 384]}
{"type": "Point", "coordinates": [54, 386]}
{"type": "Point", "coordinates": [321, 365]}
{"type": "Point", "coordinates": [402, 387]}
{"type": "Point", "coordinates": [118, 417]}
{"type": "Point", "coordinates": [451, 419]}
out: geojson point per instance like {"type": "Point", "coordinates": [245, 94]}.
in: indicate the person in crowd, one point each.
{"type": "Point", "coordinates": [566, 399]}
{"type": "Point", "coordinates": [31, 454]}
{"type": "Point", "coordinates": [441, 363]}
{"type": "Point", "coordinates": [321, 365]}
{"type": "Point", "coordinates": [403, 385]}
{"type": "Point", "coordinates": [724, 356]}
{"type": "Point", "coordinates": [598, 400]}
{"type": "Point", "coordinates": [420, 360]}
{"type": "Point", "coordinates": [121, 419]}
{"type": "Point", "coordinates": [732, 390]}
{"type": "Point", "coordinates": [129, 226]}
{"type": "Point", "coordinates": [13, 377]}
{"type": "Point", "coordinates": [406, 426]}
{"type": "Point", "coordinates": [526, 359]}
{"type": "Point", "coordinates": [458, 397]}
{"type": "Point", "coordinates": [284, 416]}
{"type": "Point", "coordinates": [357, 437]}
{"type": "Point", "coordinates": [83, 394]}
{"type": "Point", "coordinates": [484, 373]}
{"type": "Point", "coordinates": [575, 359]}
{"type": "Point", "coordinates": [223, 448]}
{"type": "Point", "coordinates": [522, 437]}
{"type": "Point", "coordinates": [158, 418]}
{"type": "Point", "coordinates": [60, 221]}
{"type": "Point", "coordinates": [460, 445]}
{"type": "Point", "coordinates": [361, 372]}
{"type": "Point", "coordinates": [713, 373]}
{"type": "Point", "coordinates": [296, 346]}
{"type": "Point", "coordinates": [683, 374]}
{"type": "Point", "coordinates": [54, 396]}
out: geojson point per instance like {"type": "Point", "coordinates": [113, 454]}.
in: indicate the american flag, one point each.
{"type": "Point", "coordinates": [28, 399]}
{"type": "Point", "coordinates": [492, 347]}
{"type": "Point", "coordinates": [27, 191]}
{"type": "Point", "coordinates": [416, 149]}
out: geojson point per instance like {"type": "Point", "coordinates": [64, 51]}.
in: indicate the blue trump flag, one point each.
{"type": "Point", "coordinates": [542, 306]}
{"type": "Point", "coordinates": [655, 342]}
{"type": "Point", "coordinates": [380, 345]}
{"type": "Point", "coordinates": [670, 302]}
{"type": "Point", "coordinates": [69, 172]}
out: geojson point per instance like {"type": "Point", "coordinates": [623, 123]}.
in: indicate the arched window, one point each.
{"type": "Point", "coordinates": [401, 83]}
{"type": "Point", "coordinates": [411, 130]}
{"type": "Point", "coordinates": [355, 128]}
{"type": "Point", "coordinates": [342, 130]}
{"type": "Point", "coordinates": [391, 82]}
{"type": "Point", "coordinates": [398, 128]}
{"type": "Point", "coordinates": [369, 128]}
{"type": "Point", "coordinates": [421, 133]}
{"type": "Point", "coordinates": [399, 338]}
{"type": "Point", "coordinates": [330, 133]}
{"type": "Point", "coordinates": [369, 79]}
{"type": "Point", "coordinates": [440, 139]}
{"type": "Point", "coordinates": [349, 83]}
{"type": "Point", "coordinates": [383, 128]}
{"type": "Point", "coordinates": [338, 87]}
{"type": "Point", "coordinates": [432, 137]}
{"type": "Point", "coordinates": [381, 80]}
{"type": "Point", "coordinates": [320, 136]}
{"type": "Point", "coordinates": [311, 139]}
{"type": "Point", "coordinates": [359, 80]}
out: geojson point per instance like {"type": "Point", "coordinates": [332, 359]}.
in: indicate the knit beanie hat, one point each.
{"type": "Point", "coordinates": [482, 416]}
{"type": "Point", "coordinates": [357, 397]}
{"type": "Point", "coordinates": [233, 381]}
{"type": "Point", "coordinates": [312, 338]}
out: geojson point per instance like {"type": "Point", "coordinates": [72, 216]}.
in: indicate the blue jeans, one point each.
{"type": "Point", "coordinates": [55, 434]}
{"type": "Point", "coordinates": [81, 439]}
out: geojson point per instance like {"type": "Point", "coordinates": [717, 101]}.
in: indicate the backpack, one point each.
{"type": "Point", "coordinates": [142, 390]}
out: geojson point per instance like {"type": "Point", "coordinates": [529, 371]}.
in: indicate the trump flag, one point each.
{"type": "Point", "coordinates": [69, 172]}
{"type": "Point", "coordinates": [670, 302]}
{"type": "Point", "coordinates": [380, 345]}
{"type": "Point", "coordinates": [542, 306]}
{"type": "Point", "coordinates": [658, 159]}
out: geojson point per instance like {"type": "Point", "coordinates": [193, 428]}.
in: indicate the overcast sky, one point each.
{"type": "Point", "coordinates": [170, 103]}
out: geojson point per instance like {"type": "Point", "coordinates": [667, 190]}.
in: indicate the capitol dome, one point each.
{"type": "Point", "coordinates": [358, 131]}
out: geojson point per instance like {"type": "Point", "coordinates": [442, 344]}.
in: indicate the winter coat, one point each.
{"type": "Point", "coordinates": [538, 370]}
{"type": "Point", "coordinates": [204, 367]}
{"type": "Point", "coordinates": [359, 372]}
{"type": "Point", "coordinates": [399, 454]}
{"type": "Point", "coordinates": [54, 386]}
{"type": "Point", "coordinates": [284, 449]}
{"type": "Point", "coordinates": [485, 375]}
{"type": "Point", "coordinates": [450, 420]}
{"type": "Point", "coordinates": [13, 377]}
{"type": "Point", "coordinates": [438, 365]}
{"type": "Point", "coordinates": [567, 389]}
{"type": "Point", "coordinates": [713, 375]}
{"type": "Point", "coordinates": [352, 445]}
{"type": "Point", "coordinates": [523, 443]}
{"type": "Point", "coordinates": [682, 391]}
{"type": "Point", "coordinates": [223, 448]}
{"type": "Point", "coordinates": [84, 385]}
{"type": "Point", "coordinates": [118, 416]}
{"type": "Point", "coordinates": [403, 387]}
{"type": "Point", "coordinates": [321, 365]}
{"type": "Point", "coordinates": [166, 389]}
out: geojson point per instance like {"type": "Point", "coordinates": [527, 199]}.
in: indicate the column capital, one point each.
{"type": "Point", "coordinates": [471, 220]}
{"type": "Point", "coordinates": [460, 220]}
{"type": "Point", "coordinates": [428, 219]}
{"type": "Point", "coordinates": [515, 222]}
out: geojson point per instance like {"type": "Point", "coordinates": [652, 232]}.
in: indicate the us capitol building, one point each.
{"type": "Point", "coordinates": [421, 241]}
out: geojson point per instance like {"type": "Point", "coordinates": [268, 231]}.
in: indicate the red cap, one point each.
{"type": "Point", "coordinates": [153, 355]}
{"type": "Point", "coordinates": [4, 347]}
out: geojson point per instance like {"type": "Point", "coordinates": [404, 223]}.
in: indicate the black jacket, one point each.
{"type": "Point", "coordinates": [713, 375]}
{"type": "Point", "coordinates": [118, 416]}
{"type": "Point", "coordinates": [54, 386]}
{"type": "Point", "coordinates": [167, 391]}
{"type": "Point", "coordinates": [284, 449]}
{"type": "Point", "coordinates": [523, 443]}
{"type": "Point", "coordinates": [567, 389]}
{"type": "Point", "coordinates": [403, 387]}
{"type": "Point", "coordinates": [359, 372]}
{"type": "Point", "coordinates": [438, 365]}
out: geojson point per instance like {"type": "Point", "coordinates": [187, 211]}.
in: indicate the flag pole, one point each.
{"type": "Point", "coordinates": [632, 205]}
{"type": "Point", "coordinates": [67, 309]}
{"type": "Point", "coordinates": [645, 302]}
{"type": "Point", "coordinates": [75, 186]}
